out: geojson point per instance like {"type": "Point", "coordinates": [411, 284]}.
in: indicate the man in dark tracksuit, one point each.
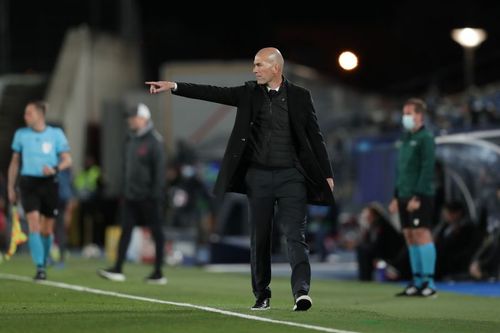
{"type": "Point", "coordinates": [145, 164]}
{"type": "Point", "coordinates": [414, 197]}
{"type": "Point", "coordinates": [277, 156]}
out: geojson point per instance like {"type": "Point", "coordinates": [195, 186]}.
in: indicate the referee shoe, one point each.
{"type": "Point", "coordinates": [427, 291]}
{"type": "Point", "coordinates": [40, 275]}
{"type": "Point", "coordinates": [410, 290]}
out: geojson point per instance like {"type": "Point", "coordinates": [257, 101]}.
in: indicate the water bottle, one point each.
{"type": "Point", "coordinates": [380, 268]}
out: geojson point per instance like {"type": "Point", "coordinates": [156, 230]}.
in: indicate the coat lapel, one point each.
{"type": "Point", "coordinates": [257, 100]}
{"type": "Point", "coordinates": [293, 109]}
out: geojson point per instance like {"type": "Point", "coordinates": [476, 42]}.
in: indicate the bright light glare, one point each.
{"type": "Point", "coordinates": [348, 60]}
{"type": "Point", "coordinates": [468, 37]}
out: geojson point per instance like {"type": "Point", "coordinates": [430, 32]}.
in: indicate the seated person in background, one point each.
{"type": "Point", "coordinates": [485, 263]}
{"type": "Point", "coordinates": [456, 238]}
{"type": "Point", "coordinates": [322, 225]}
{"type": "Point", "coordinates": [379, 241]}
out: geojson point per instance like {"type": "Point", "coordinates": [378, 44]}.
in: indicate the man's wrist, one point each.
{"type": "Point", "coordinates": [175, 86]}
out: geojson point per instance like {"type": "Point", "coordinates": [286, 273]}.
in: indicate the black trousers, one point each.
{"type": "Point", "coordinates": [285, 189]}
{"type": "Point", "coordinates": [142, 212]}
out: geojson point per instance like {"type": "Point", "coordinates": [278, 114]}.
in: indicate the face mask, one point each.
{"type": "Point", "coordinates": [408, 122]}
{"type": "Point", "coordinates": [188, 171]}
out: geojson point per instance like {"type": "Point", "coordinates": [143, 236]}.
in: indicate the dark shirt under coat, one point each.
{"type": "Point", "coordinates": [271, 143]}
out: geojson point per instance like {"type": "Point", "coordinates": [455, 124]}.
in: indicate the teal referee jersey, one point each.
{"type": "Point", "coordinates": [38, 149]}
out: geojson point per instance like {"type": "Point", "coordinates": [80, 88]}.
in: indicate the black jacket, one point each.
{"type": "Point", "coordinates": [308, 140]}
{"type": "Point", "coordinates": [145, 163]}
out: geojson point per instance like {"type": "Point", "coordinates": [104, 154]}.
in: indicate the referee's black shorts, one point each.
{"type": "Point", "coordinates": [421, 218]}
{"type": "Point", "coordinates": [39, 194]}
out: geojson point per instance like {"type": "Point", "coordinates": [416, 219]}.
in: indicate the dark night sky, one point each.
{"type": "Point", "coordinates": [403, 45]}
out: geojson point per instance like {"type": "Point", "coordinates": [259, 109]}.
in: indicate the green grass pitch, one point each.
{"type": "Point", "coordinates": [337, 305]}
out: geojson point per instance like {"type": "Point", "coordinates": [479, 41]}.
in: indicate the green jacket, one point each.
{"type": "Point", "coordinates": [415, 164]}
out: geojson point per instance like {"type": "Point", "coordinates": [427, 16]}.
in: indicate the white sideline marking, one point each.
{"type": "Point", "coordinates": [153, 300]}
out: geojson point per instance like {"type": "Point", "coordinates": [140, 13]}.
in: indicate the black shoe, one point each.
{"type": "Point", "coordinates": [111, 274]}
{"type": "Point", "coordinates": [40, 275]}
{"type": "Point", "coordinates": [156, 278]}
{"type": "Point", "coordinates": [261, 304]}
{"type": "Point", "coordinates": [427, 291]}
{"type": "Point", "coordinates": [410, 290]}
{"type": "Point", "coordinates": [302, 303]}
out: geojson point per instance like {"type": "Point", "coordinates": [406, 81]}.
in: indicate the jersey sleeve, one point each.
{"type": "Point", "coordinates": [16, 142]}
{"type": "Point", "coordinates": [62, 144]}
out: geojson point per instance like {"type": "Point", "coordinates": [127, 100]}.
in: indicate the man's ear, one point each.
{"type": "Point", "coordinates": [420, 117]}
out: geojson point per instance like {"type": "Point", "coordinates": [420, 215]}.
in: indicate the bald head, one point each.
{"type": "Point", "coordinates": [268, 67]}
{"type": "Point", "coordinates": [272, 55]}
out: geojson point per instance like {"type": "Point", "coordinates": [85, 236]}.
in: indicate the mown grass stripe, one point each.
{"type": "Point", "coordinates": [159, 301]}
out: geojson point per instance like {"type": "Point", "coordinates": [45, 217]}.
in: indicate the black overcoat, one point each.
{"type": "Point", "coordinates": [308, 140]}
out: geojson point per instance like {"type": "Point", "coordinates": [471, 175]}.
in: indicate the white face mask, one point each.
{"type": "Point", "coordinates": [188, 171]}
{"type": "Point", "coordinates": [408, 122]}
